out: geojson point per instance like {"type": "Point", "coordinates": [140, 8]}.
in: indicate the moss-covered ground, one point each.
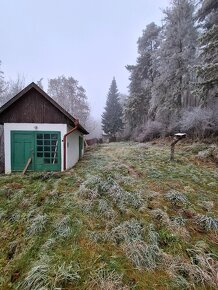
{"type": "Point", "coordinates": [124, 217]}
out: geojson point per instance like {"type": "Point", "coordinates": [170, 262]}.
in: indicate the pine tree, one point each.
{"type": "Point", "coordinates": [112, 116]}
{"type": "Point", "coordinates": [175, 55]}
{"type": "Point", "coordinates": [207, 71]}
{"type": "Point", "coordinates": [142, 76]}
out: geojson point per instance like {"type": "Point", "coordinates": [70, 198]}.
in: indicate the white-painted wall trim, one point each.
{"type": "Point", "coordinates": [8, 127]}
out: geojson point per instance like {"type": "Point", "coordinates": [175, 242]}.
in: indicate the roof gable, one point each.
{"type": "Point", "coordinates": [63, 114]}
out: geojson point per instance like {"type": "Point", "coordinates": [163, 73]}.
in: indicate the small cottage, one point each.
{"type": "Point", "coordinates": [40, 132]}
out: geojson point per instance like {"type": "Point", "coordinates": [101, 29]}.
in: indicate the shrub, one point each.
{"type": "Point", "coordinates": [198, 122]}
{"type": "Point", "coordinates": [151, 130]}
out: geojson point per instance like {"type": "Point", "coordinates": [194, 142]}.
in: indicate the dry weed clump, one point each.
{"type": "Point", "coordinates": [48, 244]}
{"type": "Point", "coordinates": [127, 231]}
{"type": "Point", "coordinates": [201, 270]}
{"type": "Point", "coordinates": [105, 209]}
{"type": "Point", "coordinates": [3, 214]}
{"type": "Point", "coordinates": [176, 198]}
{"type": "Point", "coordinates": [207, 223]}
{"type": "Point", "coordinates": [207, 205]}
{"type": "Point", "coordinates": [106, 280]}
{"type": "Point", "coordinates": [142, 255]}
{"type": "Point", "coordinates": [37, 224]}
{"type": "Point", "coordinates": [152, 235]}
{"type": "Point", "coordinates": [37, 278]}
{"type": "Point", "coordinates": [95, 187]}
{"type": "Point", "coordinates": [175, 224]}
{"type": "Point", "coordinates": [43, 275]}
{"type": "Point", "coordinates": [62, 227]}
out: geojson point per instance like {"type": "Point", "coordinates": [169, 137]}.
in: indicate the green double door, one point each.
{"type": "Point", "coordinates": [44, 149]}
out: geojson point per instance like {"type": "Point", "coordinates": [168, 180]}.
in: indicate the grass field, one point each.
{"type": "Point", "coordinates": [124, 218]}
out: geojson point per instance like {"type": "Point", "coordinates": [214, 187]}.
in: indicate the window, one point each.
{"type": "Point", "coordinates": [47, 147]}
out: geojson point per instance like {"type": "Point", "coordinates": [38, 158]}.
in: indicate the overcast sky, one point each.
{"type": "Point", "coordinates": [91, 40]}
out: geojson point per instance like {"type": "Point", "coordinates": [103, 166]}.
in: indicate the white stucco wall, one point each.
{"type": "Point", "coordinates": [73, 148]}
{"type": "Point", "coordinates": [8, 127]}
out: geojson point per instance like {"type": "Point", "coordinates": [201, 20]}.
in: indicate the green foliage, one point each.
{"type": "Point", "coordinates": [112, 116]}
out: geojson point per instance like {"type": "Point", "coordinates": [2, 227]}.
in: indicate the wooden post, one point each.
{"type": "Point", "coordinates": [27, 165]}
{"type": "Point", "coordinates": [177, 138]}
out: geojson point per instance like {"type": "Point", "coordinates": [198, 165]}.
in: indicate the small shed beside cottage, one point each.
{"type": "Point", "coordinates": [37, 127]}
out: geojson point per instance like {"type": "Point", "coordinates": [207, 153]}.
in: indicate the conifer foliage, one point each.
{"type": "Point", "coordinates": [207, 70]}
{"type": "Point", "coordinates": [112, 116]}
{"type": "Point", "coordinates": [174, 83]}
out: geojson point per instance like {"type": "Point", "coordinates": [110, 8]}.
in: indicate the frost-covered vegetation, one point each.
{"type": "Point", "coordinates": [174, 83]}
{"type": "Point", "coordinates": [124, 218]}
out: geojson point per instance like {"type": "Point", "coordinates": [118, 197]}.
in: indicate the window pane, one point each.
{"type": "Point", "coordinates": [39, 148]}
{"type": "Point", "coordinates": [53, 148]}
{"type": "Point", "coordinates": [46, 142]}
{"type": "Point", "coordinates": [39, 142]}
{"type": "Point", "coordinates": [39, 154]}
{"type": "Point", "coordinates": [54, 136]}
{"type": "Point", "coordinates": [46, 148]}
{"type": "Point", "coordinates": [39, 136]}
{"type": "Point", "coordinates": [46, 136]}
{"type": "Point", "coordinates": [47, 160]}
{"type": "Point", "coordinates": [47, 154]}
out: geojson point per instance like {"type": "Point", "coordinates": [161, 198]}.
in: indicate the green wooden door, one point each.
{"type": "Point", "coordinates": [43, 147]}
{"type": "Point", "coordinates": [22, 148]}
{"type": "Point", "coordinates": [80, 146]}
